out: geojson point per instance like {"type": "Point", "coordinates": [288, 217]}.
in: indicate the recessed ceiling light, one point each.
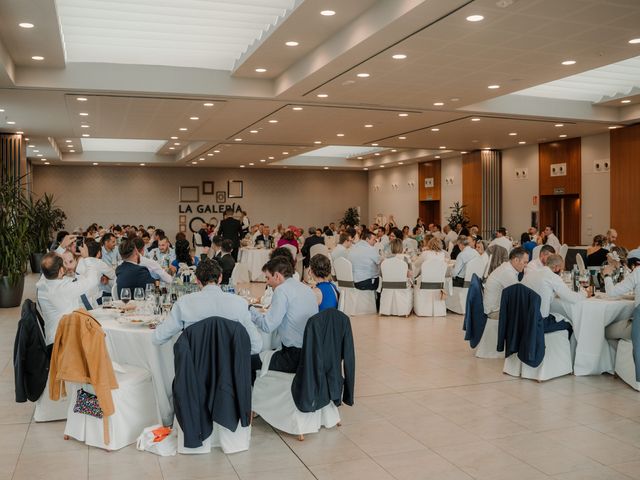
{"type": "Point", "coordinates": [513, 134]}
{"type": "Point", "coordinates": [634, 41]}
{"type": "Point", "coordinates": [37, 58]}
{"type": "Point", "coordinates": [381, 166]}
{"type": "Point", "coordinates": [72, 151]}
{"type": "Point", "coordinates": [559, 125]}
{"type": "Point", "coordinates": [435, 129]}
{"type": "Point", "coordinates": [464, 153]}
{"type": "Point", "coordinates": [285, 153]}
{"type": "Point", "coordinates": [81, 99]}
{"type": "Point", "coordinates": [43, 159]}
{"type": "Point", "coordinates": [569, 62]}
{"type": "Point", "coordinates": [36, 151]}
{"type": "Point", "coordinates": [1, 109]}
{"type": "Point", "coordinates": [400, 163]}
{"type": "Point", "coordinates": [363, 75]}
{"type": "Point", "coordinates": [69, 141]}
{"type": "Point", "coordinates": [339, 134]}
{"type": "Point", "coordinates": [253, 131]}
{"type": "Point", "coordinates": [377, 154]}
{"type": "Point", "coordinates": [216, 151]}
{"type": "Point", "coordinates": [176, 143]}
{"type": "Point", "coordinates": [475, 18]}
{"type": "Point", "coordinates": [438, 104]}
{"type": "Point", "coordinates": [262, 160]}
{"type": "Point", "coordinates": [25, 25]}
{"type": "Point", "coordinates": [493, 87]}
{"type": "Point", "coordinates": [10, 122]}
{"type": "Point", "coordinates": [317, 142]}
{"type": "Point", "coordinates": [613, 127]}
{"type": "Point", "coordinates": [399, 56]}
{"type": "Point", "coordinates": [95, 163]}
{"type": "Point", "coordinates": [487, 148]}
{"type": "Point", "coordinates": [437, 156]}
{"type": "Point", "coordinates": [208, 104]}
{"type": "Point", "coordinates": [86, 135]}
{"type": "Point", "coordinates": [621, 101]}
{"type": "Point", "coordinates": [368, 125]}
{"type": "Point", "coordinates": [237, 139]}
{"type": "Point", "coordinates": [563, 135]}
{"type": "Point", "coordinates": [374, 144]}
{"type": "Point", "coordinates": [297, 109]}
{"type": "Point", "coordinates": [394, 150]}
{"type": "Point", "coordinates": [39, 155]}
{"type": "Point", "coordinates": [31, 146]}
{"type": "Point", "coordinates": [292, 44]}
{"type": "Point", "coordinates": [194, 118]}
{"type": "Point", "coordinates": [270, 158]}
{"type": "Point", "coordinates": [251, 164]}
{"type": "Point", "coordinates": [83, 114]}
{"type": "Point", "coordinates": [47, 163]}
{"type": "Point", "coordinates": [475, 119]}
{"type": "Point", "coordinates": [142, 164]}
{"type": "Point", "coordinates": [365, 169]}
{"type": "Point", "coordinates": [273, 121]}
{"type": "Point", "coordinates": [322, 95]}
{"type": "Point", "coordinates": [403, 114]}
{"type": "Point", "coordinates": [71, 146]}
{"type": "Point", "coordinates": [326, 168]}
{"type": "Point", "coordinates": [402, 138]}
{"type": "Point", "coordinates": [241, 166]}
{"type": "Point", "coordinates": [174, 138]}
{"type": "Point", "coordinates": [522, 142]}
{"type": "Point", "coordinates": [327, 13]}
{"type": "Point", "coordinates": [19, 133]}
{"type": "Point", "coordinates": [172, 148]}
{"type": "Point", "coordinates": [84, 126]}
{"type": "Point", "coordinates": [183, 129]}
{"type": "Point", "coordinates": [261, 70]}
{"type": "Point", "coordinates": [209, 154]}
{"type": "Point", "coordinates": [194, 163]}
{"type": "Point", "coordinates": [442, 147]}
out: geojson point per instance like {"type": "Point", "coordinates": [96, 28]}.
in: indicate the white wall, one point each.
{"type": "Point", "coordinates": [450, 167]}
{"type": "Point", "coordinates": [518, 193]}
{"type": "Point", "coordinates": [402, 202]}
{"type": "Point", "coordinates": [150, 195]}
{"type": "Point", "coordinates": [596, 200]}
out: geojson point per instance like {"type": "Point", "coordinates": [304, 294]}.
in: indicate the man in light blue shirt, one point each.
{"type": "Point", "coordinates": [365, 260]}
{"type": "Point", "coordinates": [110, 254]}
{"type": "Point", "coordinates": [164, 255]}
{"type": "Point", "coordinates": [292, 305]}
{"type": "Point", "coordinates": [211, 301]}
{"type": "Point", "coordinates": [467, 253]}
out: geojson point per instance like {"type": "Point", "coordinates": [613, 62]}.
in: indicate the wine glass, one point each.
{"type": "Point", "coordinates": [125, 295]}
{"type": "Point", "coordinates": [148, 290]}
{"type": "Point", "coordinates": [138, 294]}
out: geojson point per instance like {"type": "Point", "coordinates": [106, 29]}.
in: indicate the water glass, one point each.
{"type": "Point", "coordinates": [138, 294]}
{"type": "Point", "coordinates": [125, 295]}
{"type": "Point", "coordinates": [149, 289]}
{"type": "Point", "coordinates": [107, 302]}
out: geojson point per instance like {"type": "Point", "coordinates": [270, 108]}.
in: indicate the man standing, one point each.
{"type": "Point", "coordinates": [507, 274]}
{"type": "Point", "coordinates": [230, 229]}
{"type": "Point", "coordinates": [210, 301]}
{"type": "Point", "coordinates": [365, 259]}
{"type": "Point", "coordinates": [551, 239]}
{"type": "Point", "coordinates": [292, 305]}
{"type": "Point", "coordinates": [541, 262]}
{"type": "Point", "coordinates": [226, 261]}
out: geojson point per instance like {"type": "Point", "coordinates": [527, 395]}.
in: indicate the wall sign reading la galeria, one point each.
{"type": "Point", "coordinates": [193, 201]}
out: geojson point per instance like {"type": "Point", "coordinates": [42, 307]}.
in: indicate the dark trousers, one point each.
{"type": "Point", "coordinates": [370, 284]}
{"type": "Point", "coordinates": [285, 360]}
{"type": "Point", "coordinates": [550, 325]}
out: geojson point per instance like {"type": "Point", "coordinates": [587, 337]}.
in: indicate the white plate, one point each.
{"type": "Point", "coordinates": [136, 320]}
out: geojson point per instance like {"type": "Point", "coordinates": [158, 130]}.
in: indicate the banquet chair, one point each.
{"type": "Point", "coordinates": [456, 302]}
{"type": "Point", "coordinates": [556, 359]}
{"type": "Point", "coordinates": [135, 405]}
{"type": "Point", "coordinates": [486, 268]}
{"type": "Point", "coordinates": [396, 297]}
{"type": "Point", "coordinates": [321, 249]}
{"type": "Point", "coordinates": [535, 254]}
{"type": "Point", "coordinates": [292, 249]}
{"type": "Point", "coordinates": [352, 301]}
{"type": "Point", "coordinates": [48, 410]}
{"type": "Point", "coordinates": [563, 250]}
{"type": "Point", "coordinates": [625, 366]}
{"type": "Point", "coordinates": [273, 397]}
{"type": "Point", "coordinates": [410, 244]}
{"type": "Point", "coordinates": [240, 274]}
{"type": "Point", "coordinates": [428, 301]}
{"type": "Point", "coordinates": [330, 241]}
{"type": "Point", "coordinates": [114, 291]}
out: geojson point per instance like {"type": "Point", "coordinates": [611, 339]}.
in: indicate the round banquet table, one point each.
{"type": "Point", "coordinates": [133, 345]}
{"type": "Point", "coordinates": [254, 258]}
{"type": "Point", "coordinates": [589, 319]}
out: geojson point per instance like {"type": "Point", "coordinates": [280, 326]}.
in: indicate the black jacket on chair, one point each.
{"type": "Point", "coordinates": [521, 328]}
{"type": "Point", "coordinates": [474, 318]}
{"type": "Point", "coordinates": [212, 383]}
{"type": "Point", "coordinates": [327, 349]}
{"type": "Point", "coordinates": [31, 356]}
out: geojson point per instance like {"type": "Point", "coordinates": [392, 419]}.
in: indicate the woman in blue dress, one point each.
{"type": "Point", "coordinates": [326, 292]}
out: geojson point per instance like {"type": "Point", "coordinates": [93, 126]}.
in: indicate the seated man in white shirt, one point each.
{"type": "Point", "coordinates": [365, 260]}
{"type": "Point", "coordinates": [155, 269]}
{"type": "Point", "coordinates": [541, 262]}
{"type": "Point", "coordinates": [93, 262]}
{"type": "Point", "coordinates": [210, 301]}
{"type": "Point", "coordinates": [551, 239]}
{"type": "Point", "coordinates": [502, 239]}
{"type": "Point", "coordinates": [59, 294]}
{"type": "Point", "coordinates": [507, 274]}
{"type": "Point", "coordinates": [342, 249]}
{"type": "Point", "coordinates": [467, 253]}
{"type": "Point", "coordinates": [547, 283]}
{"type": "Point", "coordinates": [292, 305]}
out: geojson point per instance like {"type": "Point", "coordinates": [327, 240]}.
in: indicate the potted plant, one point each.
{"type": "Point", "coordinates": [45, 218]}
{"type": "Point", "coordinates": [14, 241]}
{"type": "Point", "coordinates": [351, 217]}
{"type": "Point", "coordinates": [458, 216]}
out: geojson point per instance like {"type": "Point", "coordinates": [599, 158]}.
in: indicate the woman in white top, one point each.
{"type": "Point", "coordinates": [432, 249]}
{"type": "Point", "coordinates": [396, 249]}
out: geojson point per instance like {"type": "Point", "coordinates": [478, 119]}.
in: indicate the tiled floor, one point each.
{"type": "Point", "coordinates": [426, 409]}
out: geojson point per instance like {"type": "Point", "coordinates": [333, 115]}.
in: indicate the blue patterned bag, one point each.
{"type": "Point", "coordinates": [87, 403]}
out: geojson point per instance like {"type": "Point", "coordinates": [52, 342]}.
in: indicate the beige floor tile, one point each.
{"type": "Point", "coordinates": [59, 465]}
{"type": "Point", "coordinates": [296, 473]}
{"type": "Point", "coordinates": [266, 453]}
{"type": "Point", "coordinates": [214, 465]}
{"type": "Point", "coordinates": [597, 473]}
{"type": "Point", "coordinates": [420, 465]}
{"type": "Point", "coordinates": [380, 437]}
{"type": "Point", "coordinates": [351, 470]}
{"type": "Point", "coordinates": [7, 465]}
{"type": "Point", "coordinates": [630, 469]}
{"type": "Point", "coordinates": [327, 446]}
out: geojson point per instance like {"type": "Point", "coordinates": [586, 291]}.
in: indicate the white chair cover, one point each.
{"type": "Point", "coordinates": [450, 247]}
{"type": "Point", "coordinates": [486, 268]}
{"type": "Point", "coordinates": [396, 297]}
{"type": "Point", "coordinates": [114, 291]}
{"type": "Point", "coordinates": [199, 249]}
{"type": "Point", "coordinates": [563, 250]}
{"type": "Point", "coordinates": [272, 400]}
{"type": "Point", "coordinates": [487, 347]}
{"type": "Point", "coordinates": [321, 249]}
{"type": "Point", "coordinates": [352, 301]}
{"type": "Point", "coordinates": [228, 441]}
{"type": "Point", "coordinates": [457, 301]}
{"type": "Point", "coordinates": [240, 274]}
{"type": "Point", "coordinates": [48, 410]}
{"type": "Point", "coordinates": [625, 366]}
{"type": "Point", "coordinates": [410, 245]}
{"type": "Point", "coordinates": [580, 262]}
{"type": "Point", "coordinates": [428, 301]}
{"type": "Point", "coordinates": [135, 409]}
{"type": "Point", "coordinates": [536, 252]}
{"type": "Point", "coordinates": [556, 363]}
{"type": "Point", "coordinates": [292, 249]}
{"type": "Point", "coordinates": [330, 240]}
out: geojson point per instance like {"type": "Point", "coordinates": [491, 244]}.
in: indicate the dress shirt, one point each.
{"type": "Point", "coordinates": [111, 258]}
{"type": "Point", "coordinates": [211, 301]}
{"type": "Point", "coordinates": [85, 265]}
{"type": "Point", "coordinates": [61, 296]}
{"type": "Point", "coordinates": [502, 277]}
{"type": "Point", "coordinates": [467, 254]}
{"type": "Point", "coordinates": [631, 283]}
{"type": "Point", "coordinates": [365, 260]}
{"type": "Point", "coordinates": [164, 259]}
{"type": "Point", "coordinates": [292, 305]}
{"type": "Point", "coordinates": [155, 270]}
{"type": "Point", "coordinates": [504, 242]}
{"type": "Point", "coordinates": [554, 242]}
{"type": "Point", "coordinates": [533, 266]}
{"type": "Point", "coordinates": [450, 237]}
{"type": "Point", "coordinates": [338, 252]}
{"type": "Point", "coordinates": [549, 285]}
{"type": "Point", "coordinates": [427, 255]}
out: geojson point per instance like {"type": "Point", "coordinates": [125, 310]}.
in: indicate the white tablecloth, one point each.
{"type": "Point", "coordinates": [589, 319]}
{"type": "Point", "coordinates": [133, 346]}
{"type": "Point", "coordinates": [254, 258]}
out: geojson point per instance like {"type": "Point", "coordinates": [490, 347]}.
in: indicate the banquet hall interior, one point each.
{"type": "Point", "coordinates": [491, 126]}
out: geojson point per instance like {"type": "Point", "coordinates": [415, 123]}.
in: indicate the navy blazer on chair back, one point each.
{"type": "Point", "coordinates": [474, 318]}
{"type": "Point", "coordinates": [521, 329]}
